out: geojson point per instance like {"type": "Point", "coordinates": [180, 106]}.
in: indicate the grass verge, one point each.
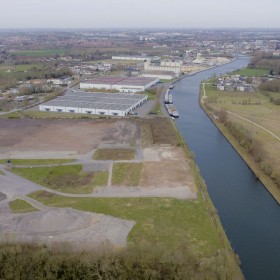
{"type": "Point", "coordinates": [164, 221]}
{"type": "Point", "coordinates": [36, 161]}
{"type": "Point", "coordinates": [68, 179]}
{"type": "Point", "coordinates": [127, 174]}
{"type": "Point", "coordinates": [21, 206]}
{"type": "Point", "coordinates": [114, 154]}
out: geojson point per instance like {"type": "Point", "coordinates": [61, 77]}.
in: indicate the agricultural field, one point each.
{"type": "Point", "coordinates": [40, 52]}
{"type": "Point", "coordinates": [251, 72]}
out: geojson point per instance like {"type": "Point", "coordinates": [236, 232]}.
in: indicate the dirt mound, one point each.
{"type": "Point", "coordinates": [65, 225]}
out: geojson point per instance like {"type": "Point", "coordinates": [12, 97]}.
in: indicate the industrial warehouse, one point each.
{"type": "Point", "coordinates": [122, 84]}
{"type": "Point", "coordinates": [111, 104]}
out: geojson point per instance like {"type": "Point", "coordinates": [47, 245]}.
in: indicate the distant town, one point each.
{"type": "Point", "coordinates": [38, 66]}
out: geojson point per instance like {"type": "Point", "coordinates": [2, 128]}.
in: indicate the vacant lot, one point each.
{"type": "Point", "coordinates": [127, 174]}
{"type": "Point", "coordinates": [114, 154]}
{"type": "Point", "coordinates": [159, 221]}
{"type": "Point", "coordinates": [69, 179]}
{"type": "Point", "coordinates": [35, 138]}
{"type": "Point", "coordinates": [36, 161]}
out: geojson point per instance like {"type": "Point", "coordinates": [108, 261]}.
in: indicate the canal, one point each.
{"type": "Point", "coordinates": [250, 216]}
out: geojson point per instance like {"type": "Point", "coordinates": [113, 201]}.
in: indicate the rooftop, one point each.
{"type": "Point", "coordinates": [108, 101]}
{"type": "Point", "coordinates": [128, 81]}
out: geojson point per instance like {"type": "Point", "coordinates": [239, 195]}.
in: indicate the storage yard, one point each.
{"type": "Point", "coordinates": [110, 104]}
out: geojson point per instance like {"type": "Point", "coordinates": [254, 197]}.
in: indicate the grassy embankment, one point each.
{"type": "Point", "coordinates": [21, 206]}
{"type": "Point", "coordinates": [259, 149]}
{"type": "Point", "coordinates": [68, 178]}
{"type": "Point", "coordinates": [186, 230]}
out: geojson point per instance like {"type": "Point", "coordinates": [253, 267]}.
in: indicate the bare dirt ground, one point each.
{"type": "Point", "coordinates": [64, 137]}
{"type": "Point", "coordinates": [82, 230]}
{"type": "Point", "coordinates": [165, 173]}
{"type": "Point", "coordinates": [165, 166]}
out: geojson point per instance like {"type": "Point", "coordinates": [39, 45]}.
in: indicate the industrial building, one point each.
{"type": "Point", "coordinates": [162, 75]}
{"type": "Point", "coordinates": [111, 104]}
{"type": "Point", "coordinates": [128, 57]}
{"type": "Point", "coordinates": [121, 84]}
{"type": "Point", "coordinates": [167, 66]}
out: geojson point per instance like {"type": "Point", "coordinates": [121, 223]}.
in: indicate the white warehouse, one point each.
{"type": "Point", "coordinates": [110, 104]}
{"type": "Point", "coordinates": [122, 84]}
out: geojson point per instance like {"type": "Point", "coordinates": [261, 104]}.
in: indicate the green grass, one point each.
{"type": "Point", "coordinates": [114, 154]}
{"type": "Point", "coordinates": [156, 110]}
{"type": "Point", "coordinates": [159, 221]}
{"type": "Point", "coordinates": [21, 206]}
{"type": "Point", "coordinates": [250, 72]}
{"type": "Point", "coordinates": [151, 96]}
{"type": "Point", "coordinates": [42, 52]}
{"type": "Point", "coordinates": [68, 179]}
{"type": "Point", "coordinates": [127, 174]}
{"type": "Point", "coordinates": [36, 161]}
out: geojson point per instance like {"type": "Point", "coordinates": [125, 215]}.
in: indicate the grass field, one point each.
{"type": "Point", "coordinates": [114, 154]}
{"type": "Point", "coordinates": [162, 221]}
{"type": "Point", "coordinates": [21, 206]}
{"type": "Point", "coordinates": [68, 179]}
{"type": "Point", "coordinates": [10, 73]}
{"type": "Point", "coordinates": [36, 161]}
{"type": "Point", "coordinates": [41, 52]}
{"type": "Point", "coordinates": [127, 174]}
{"type": "Point", "coordinates": [250, 72]}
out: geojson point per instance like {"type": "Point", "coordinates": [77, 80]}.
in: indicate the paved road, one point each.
{"type": "Point", "coordinates": [14, 186]}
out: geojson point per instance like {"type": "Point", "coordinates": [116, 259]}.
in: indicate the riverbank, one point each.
{"type": "Point", "coordinates": [251, 163]}
{"type": "Point", "coordinates": [212, 212]}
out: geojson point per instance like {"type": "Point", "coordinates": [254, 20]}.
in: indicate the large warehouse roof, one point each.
{"type": "Point", "coordinates": [108, 101]}
{"type": "Point", "coordinates": [105, 80]}
{"type": "Point", "coordinates": [131, 81]}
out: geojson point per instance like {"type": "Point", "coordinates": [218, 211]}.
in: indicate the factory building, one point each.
{"type": "Point", "coordinates": [167, 66]}
{"type": "Point", "coordinates": [122, 84]}
{"type": "Point", "coordinates": [162, 75]}
{"type": "Point", "coordinates": [110, 104]}
{"type": "Point", "coordinates": [128, 57]}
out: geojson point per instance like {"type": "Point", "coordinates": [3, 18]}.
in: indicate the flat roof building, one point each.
{"type": "Point", "coordinates": [122, 84]}
{"type": "Point", "coordinates": [111, 104]}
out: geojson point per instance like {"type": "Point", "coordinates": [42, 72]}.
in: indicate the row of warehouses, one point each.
{"type": "Point", "coordinates": [112, 104]}
{"type": "Point", "coordinates": [121, 84]}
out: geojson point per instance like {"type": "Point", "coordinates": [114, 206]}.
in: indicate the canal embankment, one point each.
{"type": "Point", "coordinates": [268, 183]}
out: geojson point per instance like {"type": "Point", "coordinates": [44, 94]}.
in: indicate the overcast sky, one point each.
{"type": "Point", "coordinates": [140, 13]}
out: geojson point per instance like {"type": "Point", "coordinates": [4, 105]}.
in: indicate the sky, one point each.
{"type": "Point", "coordinates": [140, 13]}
